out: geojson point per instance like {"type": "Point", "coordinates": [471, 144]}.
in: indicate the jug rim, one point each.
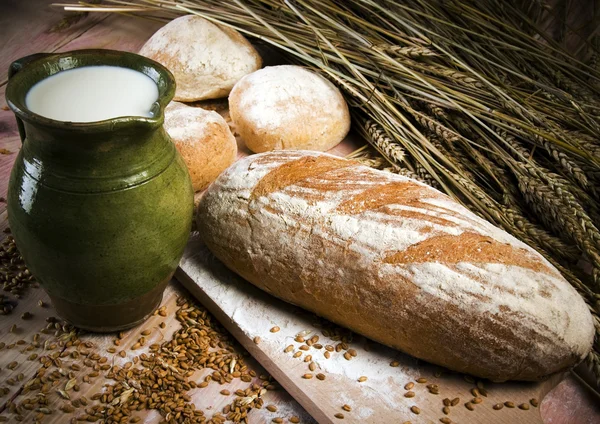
{"type": "Point", "coordinates": [19, 85]}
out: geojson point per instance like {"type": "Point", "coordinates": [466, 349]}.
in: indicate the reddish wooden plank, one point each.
{"type": "Point", "coordinates": [118, 32]}
{"type": "Point", "coordinates": [31, 26]}
{"type": "Point", "coordinates": [571, 403]}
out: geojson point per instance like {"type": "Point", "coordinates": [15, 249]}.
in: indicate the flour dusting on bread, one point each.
{"type": "Point", "coordinates": [397, 261]}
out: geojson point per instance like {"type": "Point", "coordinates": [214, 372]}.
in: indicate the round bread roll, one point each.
{"type": "Point", "coordinates": [288, 107]}
{"type": "Point", "coordinates": [204, 140]}
{"type": "Point", "coordinates": [206, 59]}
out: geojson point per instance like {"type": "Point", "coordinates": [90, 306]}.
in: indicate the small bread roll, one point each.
{"type": "Point", "coordinates": [288, 107]}
{"type": "Point", "coordinates": [206, 59]}
{"type": "Point", "coordinates": [204, 140]}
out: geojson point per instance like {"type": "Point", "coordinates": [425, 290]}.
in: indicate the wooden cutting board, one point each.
{"type": "Point", "coordinates": [250, 315]}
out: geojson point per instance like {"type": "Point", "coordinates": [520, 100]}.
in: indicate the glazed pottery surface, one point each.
{"type": "Point", "coordinates": [100, 211]}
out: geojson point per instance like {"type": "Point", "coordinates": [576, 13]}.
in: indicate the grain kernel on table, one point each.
{"type": "Point", "coordinates": [274, 329]}
{"type": "Point", "coordinates": [469, 406]}
{"type": "Point", "coordinates": [409, 394]}
{"type": "Point", "coordinates": [277, 420]}
{"type": "Point", "coordinates": [321, 376]}
{"type": "Point", "coordinates": [409, 386]}
{"type": "Point", "coordinates": [307, 376]}
{"type": "Point", "coordinates": [295, 419]}
{"type": "Point", "coordinates": [362, 379]}
{"type": "Point", "coordinates": [256, 340]}
{"type": "Point", "coordinates": [339, 416]}
{"type": "Point", "coordinates": [394, 364]}
{"type": "Point", "coordinates": [455, 401]}
{"type": "Point", "coordinates": [346, 407]}
{"type": "Point", "coordinates": [445, 420]}
{"type": "Point", "coordinates": [498, 406]}
{"type": "Point", "coordinates": [415, 410]}
{"type": "Point", "coordinates": [509, 404]}
{"type": "Point", "coordinates": [446, 410]}
{"type": "Point", "coordinates": [288, 349]}
{"type": "Point", "coordinates": [421, 380]}
{"type": "Point", "coordinates": [524, 406]}
{"type": "Point", "coordinates": [534, 402]}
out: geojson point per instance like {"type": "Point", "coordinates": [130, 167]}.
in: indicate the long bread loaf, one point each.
{"type": "Point", "coordinates": [396, 261]}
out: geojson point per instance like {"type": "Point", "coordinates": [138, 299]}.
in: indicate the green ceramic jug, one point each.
{"type": "Point", "coordinates": [100, 211]}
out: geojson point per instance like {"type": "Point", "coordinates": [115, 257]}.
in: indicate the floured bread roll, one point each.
{"type": "Point", "coordinates": [203, 139]}
{"type": "Point", "coordinates": [206, 59]}
{"type": "Point", "coordinates": [288, 107]}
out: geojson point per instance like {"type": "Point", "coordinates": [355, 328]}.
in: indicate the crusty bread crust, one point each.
{"type": "Point", "coordinates": [396, 261]}
{"type": "Point", "coordinates": [203, 139]}
{"type": "Point", "coordinates": [288, 107]}
{"type": "Point", "coordinates": [206, 59]}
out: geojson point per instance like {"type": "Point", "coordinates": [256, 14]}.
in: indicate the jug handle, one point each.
{"type": "Point", "coordinates": [15, 67]}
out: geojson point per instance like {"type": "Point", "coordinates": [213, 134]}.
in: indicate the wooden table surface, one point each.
{"type": "Point", "coordinates": [30, 26]}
